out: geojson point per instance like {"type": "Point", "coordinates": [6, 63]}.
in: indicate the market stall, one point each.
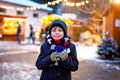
{"type": "Point", "coordinates": [8, 27]}
{"type": "Point", "coordinates": [72, 25]}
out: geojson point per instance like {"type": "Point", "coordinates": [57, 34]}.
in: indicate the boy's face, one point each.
{"type": "Point", "coordinates": [57, 33]}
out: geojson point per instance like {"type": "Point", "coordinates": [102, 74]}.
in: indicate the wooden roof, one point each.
{"type": "Point", "coordinates": [3, 15]}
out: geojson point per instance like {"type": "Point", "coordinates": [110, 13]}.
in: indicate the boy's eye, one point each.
{"type": "Point", "coordinates": [57, 29]}
{"type": "Point", "coordinates": [60, 30]}
{"type": "Point", "coordinates": [54, 29]}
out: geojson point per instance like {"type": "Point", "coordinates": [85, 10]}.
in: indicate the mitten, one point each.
{"type": "Point", "coordinates": [54, 57]}
{"type": "Point", "coordinates": [63, 55]}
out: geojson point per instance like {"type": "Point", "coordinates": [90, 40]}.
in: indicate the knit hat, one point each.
{"type": "Point", "coordinates": [60, 24]}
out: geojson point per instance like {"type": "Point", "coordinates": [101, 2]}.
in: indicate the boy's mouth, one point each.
{"type": "Point", "coordinates": [56, 36]}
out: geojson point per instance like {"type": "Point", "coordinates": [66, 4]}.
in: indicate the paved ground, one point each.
{"type": "Point", "coordinates": [17, 62]}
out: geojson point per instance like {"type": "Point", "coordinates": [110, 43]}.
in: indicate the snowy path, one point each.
{"type": "Point", "coordinates": [91, 68]}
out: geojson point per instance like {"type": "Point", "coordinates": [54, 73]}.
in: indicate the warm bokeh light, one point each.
{"type": "Point", "coordinates": [72, 4]}
{"type": "Point", "coordinates": [78, 4]}
{"type": "Point", "coordinates": [82, 3]}
{"type": "Point", "coordinates": [65, 0]}
{"type": "Point", "coordinates": [87, 2]}
{"type": "Point", "coordinates": [117, 1]}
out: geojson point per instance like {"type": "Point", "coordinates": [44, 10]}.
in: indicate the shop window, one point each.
{"type": "Point", "coordinates": [9, 26]}
{"type": "Point", "coordinates": [35, 15]}
{"type": "Point", "coordinates": [2, 10]}
{"type": "Point", "coordinates": [19, 12]}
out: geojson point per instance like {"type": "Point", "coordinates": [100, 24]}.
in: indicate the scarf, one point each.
{"type": "Point", "coordinates": [58, 45]}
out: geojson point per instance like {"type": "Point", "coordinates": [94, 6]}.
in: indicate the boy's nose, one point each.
{"type": "Point", "coordinates": [57, 32]}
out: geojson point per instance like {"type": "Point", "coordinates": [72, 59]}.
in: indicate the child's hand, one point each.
{"type": "Point", "coordinates": [54, 57]}
{"type": "Point", "coordinates": [63, 55]}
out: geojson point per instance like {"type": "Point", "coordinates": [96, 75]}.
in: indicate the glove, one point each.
{"type": "Point", "coordinates": [54, 57]}
{"type": "Point", "coordinates": [63, 55]}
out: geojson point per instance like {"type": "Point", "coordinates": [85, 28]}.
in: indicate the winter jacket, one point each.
{"type": "Point", "coordinates": [53, 72]}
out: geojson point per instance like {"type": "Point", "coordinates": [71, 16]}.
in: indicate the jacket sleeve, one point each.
{"type": "Point", "coordinates": [43, 61]}
{"type": "Point", "coordinates": [71, 63]}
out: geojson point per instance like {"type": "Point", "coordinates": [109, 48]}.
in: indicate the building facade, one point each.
{"type": "Point", "coordinates": [24, 12]}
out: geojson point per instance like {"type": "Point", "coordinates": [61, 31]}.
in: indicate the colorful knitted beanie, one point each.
{"type": "Point", "coordinates": [59, 23]}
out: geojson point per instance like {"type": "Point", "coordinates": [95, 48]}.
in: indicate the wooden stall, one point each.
{"type": "Point", "coordinates": [112, 21]}
{"type": "Point", "coordinates": [74, 32]}
{"type": "Point", "coordinates": [8, 27]}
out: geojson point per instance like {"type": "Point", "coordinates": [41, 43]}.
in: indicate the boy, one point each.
{"type": "Point", "coordinates": [57, 54]}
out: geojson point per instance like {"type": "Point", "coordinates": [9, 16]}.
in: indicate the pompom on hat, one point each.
{"type": "Point", "coordinates": [58, 23]}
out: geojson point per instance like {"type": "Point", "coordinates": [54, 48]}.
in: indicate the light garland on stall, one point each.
{"type": "Point", "coordinates": [78, 4]}
{"type": "Point", "coordinates": [67, 3]}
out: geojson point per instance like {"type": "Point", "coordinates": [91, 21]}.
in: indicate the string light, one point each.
{"type": "Point", "coordinates": [67, 3]}
{"type": "Point", "coordinates": [53, 3]}
{"type": "Point", "coordinates": [65, 0]}
{"type": "Point", "coordinates": [49, 3]}
{"type": "Point", "coordinates": [82, 3]}
{"type": "Point", "coordinates": [72, 4]}
{"type": "Point", "coordinates": [78, 4]}
{"type": "Point", "coordinates": [87, 1]}
{"type": "Point", "coordinates": [117, 1]}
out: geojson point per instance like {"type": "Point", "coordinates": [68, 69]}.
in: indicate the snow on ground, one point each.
{"type": "Point", "coordinates": [26, 71]}
{"type": "Point", "coordinates": [83, 52]}
{"type": "Point", "coordinates": [7, 48]}
{"type": "Point", "coordinates": [18, 71]}
{"type": "Point", "coordinates": [86, 52]}
{"type": "Point", "coordinates": [90, 53]}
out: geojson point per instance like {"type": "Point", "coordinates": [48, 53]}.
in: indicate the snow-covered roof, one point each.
{"type": "Point", "coordinates": [27, 3]}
